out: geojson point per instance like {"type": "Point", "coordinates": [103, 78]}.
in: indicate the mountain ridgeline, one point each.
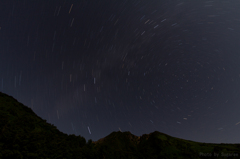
{"type": "Point", "coordinates": [25, 135]}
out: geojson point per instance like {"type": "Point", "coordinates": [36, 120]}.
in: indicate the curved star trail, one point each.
{"type": "Point", "coordinates": [138, 66]}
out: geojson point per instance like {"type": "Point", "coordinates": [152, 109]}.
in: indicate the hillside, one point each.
{"type": "Point", "coordinates": [25, 135]}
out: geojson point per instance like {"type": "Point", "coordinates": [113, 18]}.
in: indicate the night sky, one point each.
{"type": "Point", "coordinates": [91, 67]}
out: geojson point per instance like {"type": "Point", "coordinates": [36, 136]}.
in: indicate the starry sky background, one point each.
{"type": "Point", "coordinates": [93, 67]}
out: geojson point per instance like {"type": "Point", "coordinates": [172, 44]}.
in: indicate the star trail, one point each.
{"type": "Point", "coordinates": [93, 67]}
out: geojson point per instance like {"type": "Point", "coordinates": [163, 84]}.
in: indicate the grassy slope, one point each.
{"type": "Point", "coordinates": [25, 135]}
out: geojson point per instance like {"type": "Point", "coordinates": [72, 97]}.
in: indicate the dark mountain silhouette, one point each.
{"type": "Point", "coordinates": [25, 135]}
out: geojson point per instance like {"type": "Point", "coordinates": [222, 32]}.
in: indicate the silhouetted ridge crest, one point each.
{"type": "Point", "coordinates": [23, 134]}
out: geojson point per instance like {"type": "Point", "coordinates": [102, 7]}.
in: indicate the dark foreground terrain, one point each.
{"type": "Point", "coordinates": [25, 135]}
